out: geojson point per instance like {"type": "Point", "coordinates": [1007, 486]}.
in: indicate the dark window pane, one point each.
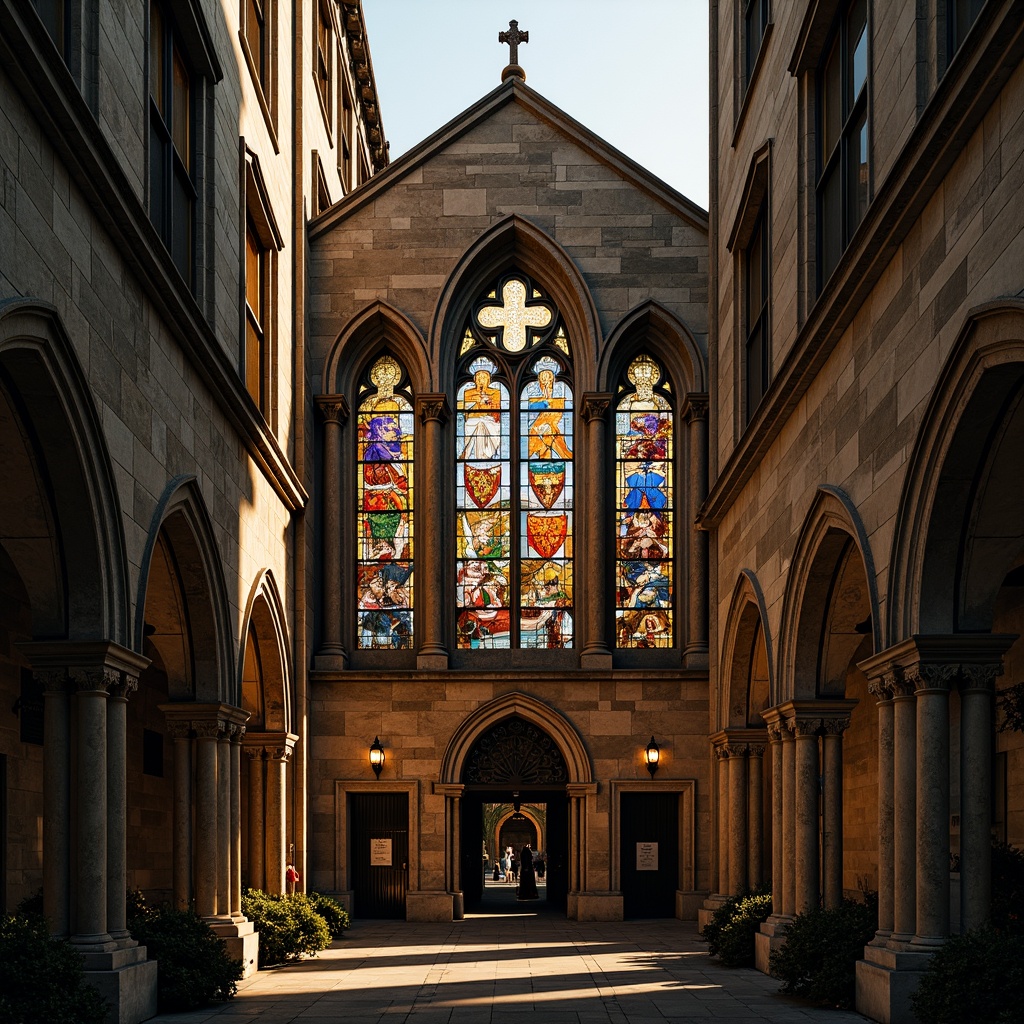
{"type": "Point", "coordinates": [254, 32]}
{"type": "Point", "coordinates": [181, 227]}
{"type": "Point", "coordinates": [755, 371]}
{"type": "Point", "coordinates": [29, 709]}
{"type": "Point", "coordinates": [831, 226]}
{"type": "Point", "coordinates": [964, 14]}
{"type": "Point", "coordinates": [253, 272]}
{"type": "Point", "coordinates": [152, 753]}
{"type": "Point", "coordinates": [156, 57]}
{"type": "Point", "coordinates": [253, 361]}
{"type": "Point", "coordinates": [182, 109]}
{"type": "Point", "coordinates": [857, 173]}
{"type": "Point", "coordinates": [755, 295]}
{"type": "Point", "coordinates": [831, 103]}
{"type": "Point", "coordinates": [51, 13]}
{"type": "Point", "coordinates": [857, 62]}
{"type": "Point", "coordinates": [157, 175]}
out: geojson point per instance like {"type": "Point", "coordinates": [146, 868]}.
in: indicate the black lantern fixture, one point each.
{"type": "Point", "coordinates": [652, 756]}
{"type": "Point", "coordinates": [376, 756]}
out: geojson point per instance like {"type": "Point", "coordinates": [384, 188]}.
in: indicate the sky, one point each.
{"type": "Point", "coordinates": [633, 71]}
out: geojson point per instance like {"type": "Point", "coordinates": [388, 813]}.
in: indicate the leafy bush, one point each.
{"type": "Point", "coordinates": [730, 933]}
{"type": "Point", "coordinates": [193, 966]}
{"type": "Point", "coordinates": [978, 976]}
{"type": "Point", "coordinates": [822, 948]}
{"type": "Point", "coordinates": [288, 925]}
{"type": "Point", "coordinates": [31, 905]}
{"type": "Point", "coordinates": [41, 979]}
{"type": "Point", "coordinates": [332, 912]}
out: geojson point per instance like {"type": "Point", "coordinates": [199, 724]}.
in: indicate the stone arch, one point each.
{"type": "Point", "coordinates": [67, 538]}
{"type": "Point", "coordinates": [746, 626]}
{"type": "Point", "coordinates": [181, 583]}
{"type": "Point", "coordinates": [960, 524]}
{"type": "Point", "coordinates": [515, 242]}
{"type": "Point", "coordinates": [376, 327]}
{"type": "Point", "coordinates": [265, 640]}
{"type": "Point", "coordinates": [651, 326]}
{"type": "Point", "coordinates": [561, 731]}
{"type": "Point", "coordinates": [527, 813]}
{"type": "Point", "coordinates": [832, 553]}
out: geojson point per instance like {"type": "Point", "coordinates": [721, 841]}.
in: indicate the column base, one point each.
{"type": "Point", "coordinates": [688, 904]}
{"type": "Point", "coordinates": [599, 658]}
{"type": "Point", "coordinates": [599, 906]}
{"type": "Point", "coordinates": [127, 982]}
{"type": "Point", "coordinates": [330, 661]}
{"type": "Point", "coordinates": [429, 905]}
{"type": "Point", "coordinates": [242, 942]}
{"type": "Point", "coordinates": [696, 656]}
{"type": "Point", "coordinates": [708, 908]}
{"type": "Point", "coordinates": [886, 979]}
{"type": "Point", "coordinates": [769, 937]}
{"type": "Point", "coordinates": [458, 906]}
{"type": "Point", "coordinates": [432, 661]}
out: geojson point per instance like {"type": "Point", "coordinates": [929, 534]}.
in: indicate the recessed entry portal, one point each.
{"type": "Point", "coordinates": [649, 854]}
{"type": "Point", "coordinates": [514, 799]}
{"type": "Point", "coordinates": [379, 831]}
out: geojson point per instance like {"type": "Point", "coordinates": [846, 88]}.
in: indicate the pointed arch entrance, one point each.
{"type": "Point", "coordinates": [516, 756]}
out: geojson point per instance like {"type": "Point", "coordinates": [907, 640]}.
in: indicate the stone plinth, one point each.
{"type": "Point", "coordinates": [886, 979]}
{"type": "Point", "coordinates": [429, 905]}
{"type": "Point", "coordinates": [127, 982]}
{"type": "Point", "coordinates": [242, 942]}
{"type": "Point", "coordinates": [771, 936]}
{"type": "Point", "coordinates": [599, 906]}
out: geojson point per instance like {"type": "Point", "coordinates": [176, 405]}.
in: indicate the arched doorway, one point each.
{"type": "Point", "coordinates": [514, 771]}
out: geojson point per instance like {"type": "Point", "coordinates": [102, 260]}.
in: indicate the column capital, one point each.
{"type": "Point", "coordinates": [333, 408]}
{"type": "Point", "coordinates": [696, 406]}
{"type": "Point", "coordinates": [449, 789]}
{"type": "Point", "coordinates": [65, 665]}
{"type": "Point", "coordinates": [835, 726]}
{"type": "Point", "coordinates": [254, 753]}
{"type": "Point", "coordinates": [928, 661]}
{"type": "Point", "coordinates": [595, 405]}
{"type": "Point", "coordinates": [774, 732]}
{"type": "Point", "coordinates": [927, 677]}
{"type": "Point", "coordinates": [981, 677]}
{"type": "Point", "coordinates": [179, 730]}
{"type": "Point", "coordinates": [276, 746]}
{"type": "Point", "coordinates": [433, 408]}
{"type": "Point", "coordinates": [756, 750]}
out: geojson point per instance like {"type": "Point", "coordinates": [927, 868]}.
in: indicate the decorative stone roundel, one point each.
{"type": "Point", "coordinates": [515, 753]}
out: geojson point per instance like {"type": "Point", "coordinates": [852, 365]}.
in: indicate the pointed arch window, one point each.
{"type": "Point", "coordinates": [645, 503]}
{"type": "Point", "coordinates": [514, 473]}
{"type": "Point", "coordinates": [384, 516]}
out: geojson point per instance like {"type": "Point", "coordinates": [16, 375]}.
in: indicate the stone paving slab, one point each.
{"type": "Point", "coordinates": [522, 969]}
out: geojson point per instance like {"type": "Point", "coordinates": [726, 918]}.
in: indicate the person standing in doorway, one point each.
{"type": "Point", "coordinates": [291, 876]}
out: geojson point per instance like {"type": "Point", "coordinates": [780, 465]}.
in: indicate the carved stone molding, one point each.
{"type": "Point", "coordinates": [933, 677]}
{"type": "Point", "coordinates": [333, 408]}
{"type": "Point", "coordinates": [980, 676]}
{"type": "Point", "coordinates": [595, 406]}
{"type": "Point", "coordinates": [433, 409]}
{"type": "Point", "coordinates": [179, 730]}
{"type": "Point", "coordinates": [206, 728]}
{"type": "Point", "coordinates": [515, 753]}
{"type": "Point", "coordinates": [253, 753]}
{"type": "Point", "coordinates": [94, 678]}
{"type": "Point", "coordinates": [804, 726]}
{"type": "Point", "coordinates": [756, 749]}
{"type": "Point", "coordinates": [775, 732]}
{"type": "Point", "coordinates": [835, 726]}
{"type": "Point", "coordinates": [696, 406]}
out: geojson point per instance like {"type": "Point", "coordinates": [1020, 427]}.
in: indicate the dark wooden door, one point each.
{"type": "Point", "coordinates": [557, 854]}
{"type": "Point", "coordinates": [379, 853]}
{"type": "Point", "coordinates": [649, 854]}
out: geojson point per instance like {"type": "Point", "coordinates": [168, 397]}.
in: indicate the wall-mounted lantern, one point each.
{"type": "Point", "coordinates": [376, 756]}
{"type": "Point", "coordinates": [652, 757]}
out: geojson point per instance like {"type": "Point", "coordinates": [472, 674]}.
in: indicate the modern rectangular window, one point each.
{"type": "Point", "coordinates": [756, 285]}
{"type": "Point", "coordinates": [255, 29]}
{"type": "Point", "coordinates": [755, 17]}
{"type": "Point", "coordinates": [842, 187]}
{"type": "Point", "coordinates": [255, 316]}
{"type": "Point", "coordinates": [322, 57]}
{"type": "Point", "coordinates": [53, 15]}
{"type": "Point", "coordinates": [960, 16]}
{"type": "Point", "coordinates": [172, 189]}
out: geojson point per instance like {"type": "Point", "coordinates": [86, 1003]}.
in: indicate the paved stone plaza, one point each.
{"type": "Point", "coordinates": [502, 969]}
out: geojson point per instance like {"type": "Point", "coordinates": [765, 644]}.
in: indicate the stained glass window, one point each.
{"type": "Point", "coordinates": [644, 509]}
{"type": "Point", "coordinates": [514, 487]}
{"type": "Point", "coordinates": [384, 515]}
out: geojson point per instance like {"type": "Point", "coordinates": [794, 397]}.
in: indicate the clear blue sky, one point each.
{"type": "Point", "coordinates": [634, 71]}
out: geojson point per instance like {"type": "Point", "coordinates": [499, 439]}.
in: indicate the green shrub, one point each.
{"type": "Point", "coordinates": [41, 979]}
{"type": "Point", "coordinates": [822, 948]}
{"type": "Point", "coordinates": [193, 966]}
{"type": "Point", "coordinates": [332, 912]}
{"type": "Point", "coordinates": [974, 977]}
{"type": "Point", "coordinates": [289, 927]}
{"type": "Point", "coordinates": [731, 931]}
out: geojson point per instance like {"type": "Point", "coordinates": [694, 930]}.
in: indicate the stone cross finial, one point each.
{"type": "Point", "coordinates": [513, 37]}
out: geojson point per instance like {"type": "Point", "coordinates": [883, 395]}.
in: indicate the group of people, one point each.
{"type": "Point", "coordinates": [521, 870]}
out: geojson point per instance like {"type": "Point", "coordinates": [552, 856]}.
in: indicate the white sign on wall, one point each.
{"type": "Point", "coordinates": [647, 856]}
{"type": "Point", "coordinates": [380, 853]}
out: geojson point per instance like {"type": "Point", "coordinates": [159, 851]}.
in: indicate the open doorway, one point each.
{"type": "Point", "coordinates": [496, 823]}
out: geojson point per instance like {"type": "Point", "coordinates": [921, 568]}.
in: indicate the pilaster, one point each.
{"type": "Point", "coordinates": [332, 654]}
{"type": "Point", "coordinates": [433, 413]}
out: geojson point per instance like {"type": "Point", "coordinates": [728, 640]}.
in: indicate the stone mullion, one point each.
{"type": "Point", "coordinates": [882, 689]}
{"type": "Point", "coordinates": [976, 700]}
{"type": "Point", "coordinates": [56, 800]}
{"type": "Point", "coordinates": [755, 814]}
{"type": "Point", "coordinates": [696, 651]}
{"type": "Point", "coordinates": [430, 539]}
{"type": "Point", "coordinates": [334, 410]}
{"type": "Point", "coordinates": [933, 682]}
{"type": "Point", "coordinates": [594, 593]}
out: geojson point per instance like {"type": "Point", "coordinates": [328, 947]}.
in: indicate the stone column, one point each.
{"type": "Point", "coordinates": [224, 821]}
{"type": "Point", "coordinates": [832, 809]}
{"type": "Point", "coordinates": [976, 696]}
{"type": "Point", "coordinates": [755, 814]}
{"type": "Point", "coordinates": [904, 803]}
{"type": "Point", "coordinates": [91, 698]}
{"type": "Point", "coordinates": [775, 731]}
{"type": "Point", "coordinates": [257, 834]}
{"type": "Point", "coordinates": [277, 769]}
{"type": "Point", "coordinates": [788, 819]}
{"type": "Point", "coordinates": [235, 889]}
{"type": "Point", "coordinates": [593, 595]}
{"type": "Point", "coordinates": [181, 868]}
{"type": "Point", "coordinates": [117, 810]}
{"type": "Point", "coordinates": [206, 830]}
{"type": "Point", "coordinates": [807, 790]}
{"type": "Point", "coordinates": [932, 694]}
{"type": "Point", "coordinates": [696, 651]}
{"type": "Point", "coordinates": [737, 819]}
{"type": "Point", "coordinates": [722, 756]}
{"type": "Point", "coordinates": [56, 800]}
{"type": "Point", "coordinates": [332, 653]}
{"type": "Point", "coordinates": [430, 538]}
{"type": "Point", "coordinates": [882, 689]}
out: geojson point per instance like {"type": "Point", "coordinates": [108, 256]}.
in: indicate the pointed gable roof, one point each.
{"type": "Point", "coordinates": [512, 90]}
